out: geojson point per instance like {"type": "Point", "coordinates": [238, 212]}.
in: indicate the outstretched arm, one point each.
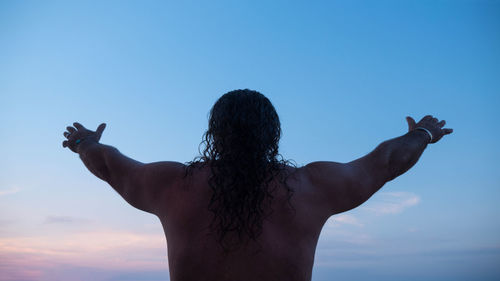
{"type": "Point", "coordinates": [142, 185]}
{"type": "Point", "coordinates": [344, 186]}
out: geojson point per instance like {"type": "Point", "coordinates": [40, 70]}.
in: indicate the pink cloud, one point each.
{"type": "Point", "coordinates": [34, 258]}
{"type": "Point", "coordinates": [9, 191]}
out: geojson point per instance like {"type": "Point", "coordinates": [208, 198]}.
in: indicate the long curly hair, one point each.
{"type": "Point", "coordinates": [241, 149]}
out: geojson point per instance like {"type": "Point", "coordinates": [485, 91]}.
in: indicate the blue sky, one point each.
{"type": "Point", "coordinates": [342, 75]}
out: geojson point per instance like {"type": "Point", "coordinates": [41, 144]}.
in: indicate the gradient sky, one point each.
{"type": "Point", "coordinates": [342, 75]}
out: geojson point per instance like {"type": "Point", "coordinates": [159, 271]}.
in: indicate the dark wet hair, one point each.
{"type": "Point", "coordinates": [241, 149]}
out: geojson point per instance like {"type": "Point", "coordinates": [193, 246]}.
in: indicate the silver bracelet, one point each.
{"type": "Point", "coordinates": [425, 130]}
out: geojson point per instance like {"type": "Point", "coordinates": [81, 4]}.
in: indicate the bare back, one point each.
{"type": "Point", "coordinates": [285, 249]}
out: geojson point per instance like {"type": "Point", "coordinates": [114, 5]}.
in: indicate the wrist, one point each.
{"type": "Point", "coordinates": [84, 144]}
{"type": "Point", "coordinates": [427, 131]}
{"type": "Point", "coordinates": [423, 135]}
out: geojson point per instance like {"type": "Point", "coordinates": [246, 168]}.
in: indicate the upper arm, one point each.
{"type": "Point", "coordinates": [343, 186]}
{"type": "Point", "coordinates": [143, 186]}
{"type": "Point", "coordinates": [147, 186]}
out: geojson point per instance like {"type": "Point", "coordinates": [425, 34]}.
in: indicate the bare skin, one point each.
{"type": "Point", "coordinates": [285, 250]}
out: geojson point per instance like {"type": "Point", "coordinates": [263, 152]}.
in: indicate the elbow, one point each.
{"type": "Point", "coordinates": [367, 190]}
{"type": "Point", "coordinates": [399, 164]}
{"type": "Point", "coordinates": [392, 161]}
{"type": "Point", "coordinates": [360, 193]}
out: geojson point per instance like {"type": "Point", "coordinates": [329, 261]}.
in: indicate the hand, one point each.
{"type": "Point", "coordinates": [430, 123]}
{"type": "Point", "coordinates": [76, 136]}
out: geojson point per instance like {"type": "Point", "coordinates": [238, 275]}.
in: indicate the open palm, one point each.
{"type": "Point", "coordinates": [77, 134]}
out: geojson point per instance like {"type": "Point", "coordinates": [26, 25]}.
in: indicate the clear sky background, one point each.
{"type": "Point", "coordinates": [342, 75]}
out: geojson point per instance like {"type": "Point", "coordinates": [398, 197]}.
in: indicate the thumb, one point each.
{"type": "Point", "coordinates": [100, 129]}
{"type": "Point", "coordinates": [411, 123]}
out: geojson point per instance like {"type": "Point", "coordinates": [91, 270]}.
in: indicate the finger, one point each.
{"type": "Point", "coordinates": [435, 120]}
{"type": "Point", "coordinates": [66, 134]}
{"type": "Point", "coordinates": [65, 143]}
{"type": "Point", "coordinates": [70, 129]}
{"type": "Point", "coordinates": [100, 129]}
{"type": "Point", "coordinates": [441, 124]}
{"type": "Point", "coordinates": [78, 126]}
{"type": "Point", "coordinates": [427, 117]}
{"type": "Point", "coordinates": [447, 131]}
{"type": "Point", "coordinates": [411, 123]}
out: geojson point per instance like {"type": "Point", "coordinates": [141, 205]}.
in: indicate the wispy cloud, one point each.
{"type": "Point", "coordinates": [339, 229]}
{"type": "Point", "coordinates": [64, 220]}
{"type": "Point", "coordinates": [392, 202]}
{"type": "Point", "coordinates": [9, 191]}
{"type": "Point", "coordinates": [346, 219]}
{"type": "Point", "coordinates": [384, 203]}
{"type": "Point", "coordinates": [349, 227]}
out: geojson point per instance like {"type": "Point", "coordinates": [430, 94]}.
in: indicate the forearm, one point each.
{"type": "Point", "coordinates": [106, 162]}
{"type": "Point", "coordinates": [398, 155]}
